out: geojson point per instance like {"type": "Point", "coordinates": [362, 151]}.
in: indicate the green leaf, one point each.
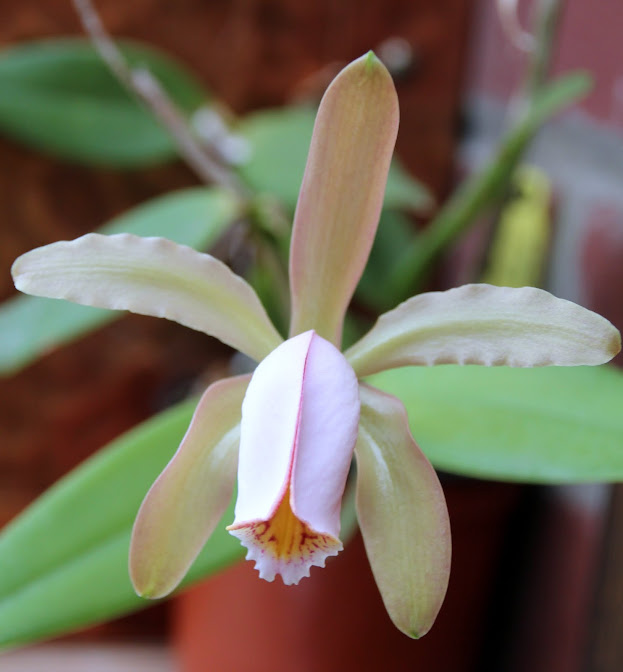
{"type": "Point", "coordinates": [545, 425]}
{"type": "Point", "coordinates": [59, 97]}
{"type": "Point", "coordinates": [558, 94]}
{"type": "Point", "coordinates": [30, 326]}
{"type": "Point", "coordinates": [270, 289]}
{"type": "Point", "coordinates": [64, 560]}
{"type": "Point", "coordinates": [403, 192]}
{"type": "Point", "coordinates": [394, 235]}
{"type": "Point", "coordinates": [279, 141]}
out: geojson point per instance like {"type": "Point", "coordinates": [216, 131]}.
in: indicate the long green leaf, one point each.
{"type": "Point", "coordinates": [59, 97]}
{"type": "Point", "coordinates": [279, 141]}
{"type": "Point", "coordinates": [547, 425]}
{"type": "Point", "coordinates": [31, 326]}
{"type": "Point", "coordinates": [64, 560]}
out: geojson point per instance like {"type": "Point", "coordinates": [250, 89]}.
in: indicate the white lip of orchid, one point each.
{"type": "Point", "coordinates": [299, 427]}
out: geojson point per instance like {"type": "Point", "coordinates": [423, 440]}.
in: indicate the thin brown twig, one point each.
{"type": "Point", "coordinates": [141, 83]}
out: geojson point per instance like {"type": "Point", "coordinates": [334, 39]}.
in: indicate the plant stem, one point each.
{"type": "Point", "coordinates": [483, 189]}
{"type": "Point", "coordinates": [141, 83]}
{"type": "Point", "coordinates": [537, 68]}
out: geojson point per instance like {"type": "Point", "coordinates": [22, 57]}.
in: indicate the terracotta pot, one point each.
{"type": "Point", "coordinates": [335, 621]}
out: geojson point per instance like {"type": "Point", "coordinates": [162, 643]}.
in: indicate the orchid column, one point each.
{"type": "Point", "coordinates": [290, 429]}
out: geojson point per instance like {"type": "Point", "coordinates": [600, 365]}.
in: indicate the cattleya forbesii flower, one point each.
{"type": "Point", "coordinates": [290, 428]}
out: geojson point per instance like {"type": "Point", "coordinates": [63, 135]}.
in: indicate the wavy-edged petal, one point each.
{"type": "Point", "coordinates": [299, 427]}
{"type": "Point", "coordinates": [186, 502]}
{"type": "Point", "coordinates": [483, 324]}
{"type": "Point", "coordinates": [341, 195]}
{"type": "Point", "coordinates": [402, 514]}
{"type": "Point", "coordinates": [151, 276]}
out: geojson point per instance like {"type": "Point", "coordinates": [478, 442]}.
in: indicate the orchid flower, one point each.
{"type": "Point", "coordinates": [290, 429]}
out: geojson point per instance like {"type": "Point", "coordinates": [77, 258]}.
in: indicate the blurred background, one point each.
{"type": "Point", "coordinates": [537, 582]}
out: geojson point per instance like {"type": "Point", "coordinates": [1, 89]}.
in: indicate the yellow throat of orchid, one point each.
{"type": "Point", "coordinates": [283, 541]}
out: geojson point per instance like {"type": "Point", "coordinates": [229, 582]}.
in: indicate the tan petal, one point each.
{"type": "Point", "coordinates": [402, 513]}
{"type": "Point", "coordinates": [151, 276]}
{"type": "Point", "coordinates": [186, 502]}
{"type": "Point", "coordinates": [341, 195]}
{"type": "Point", "coordinates": [483, 324]}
